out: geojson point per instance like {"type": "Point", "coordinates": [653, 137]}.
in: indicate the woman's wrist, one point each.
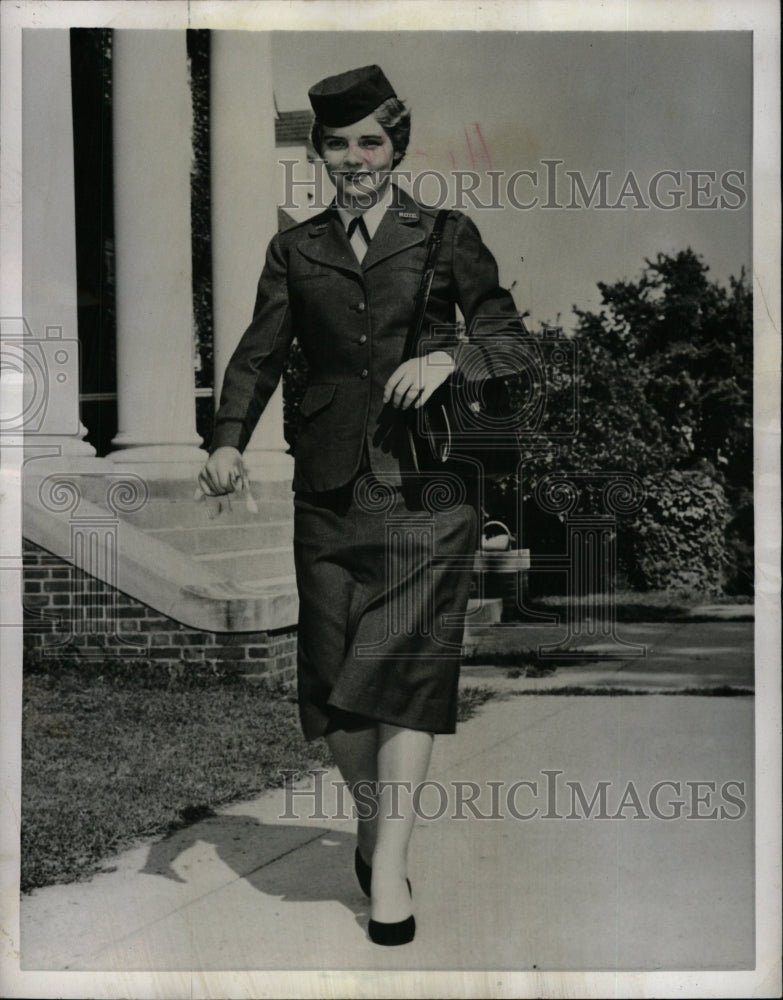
{"type": "Point", "coordinates": [442, 358]}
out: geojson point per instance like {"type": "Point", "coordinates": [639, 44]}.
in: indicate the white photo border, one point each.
{"type": "Point", "coordinates": [760, 17]}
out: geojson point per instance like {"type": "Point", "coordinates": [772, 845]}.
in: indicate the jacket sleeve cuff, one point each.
{"type": "Point", "coordinates": [227, 433]}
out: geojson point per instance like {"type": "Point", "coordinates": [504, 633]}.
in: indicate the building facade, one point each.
{"type": "Point", "coordinates": [121, 557]}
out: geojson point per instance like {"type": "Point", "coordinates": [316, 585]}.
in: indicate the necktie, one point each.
{"type": "Point", "coordinates": [358, 236]}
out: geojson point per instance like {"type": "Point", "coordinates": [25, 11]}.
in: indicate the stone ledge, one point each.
{"type": "Point", "coordinates": [501, 561]}
{"type": "Point", "coordinates": [157, 574]}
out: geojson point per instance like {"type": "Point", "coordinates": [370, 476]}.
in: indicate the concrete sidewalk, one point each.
{"type": "Point", "coordinates": [662, 657]}
{"type": "Point", "coordinates": [635, 889]}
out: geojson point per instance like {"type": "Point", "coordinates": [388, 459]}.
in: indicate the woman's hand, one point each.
{"type": "Point", "coordinates": [416, 379]}
{"type": "Point", "coordinates": [223, 472]}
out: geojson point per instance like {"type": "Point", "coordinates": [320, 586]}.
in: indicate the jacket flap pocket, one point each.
{"type": "Point", "coordinates": [316, 398]}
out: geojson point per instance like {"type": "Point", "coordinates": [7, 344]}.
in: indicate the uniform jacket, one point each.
{"type": "Point", "coordinates": [351, 320]}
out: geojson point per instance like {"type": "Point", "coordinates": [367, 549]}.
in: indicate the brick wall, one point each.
{"type": "Point", "coordinates": [68, 612]}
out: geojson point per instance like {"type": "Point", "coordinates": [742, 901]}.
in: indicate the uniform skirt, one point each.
{"type": "Point", "coordinates": [383, 575]}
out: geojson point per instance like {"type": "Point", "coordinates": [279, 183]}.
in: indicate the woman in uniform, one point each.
{"type": "Point", "coordinates": [379, 635]}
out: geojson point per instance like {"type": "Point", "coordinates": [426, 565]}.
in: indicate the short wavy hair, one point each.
{"type": "Point", "coordinates": [393, 116]}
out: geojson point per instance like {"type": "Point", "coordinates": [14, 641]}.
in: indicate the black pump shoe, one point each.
{"type": "Point", "coordinates": [401, 932]}
{"type": "Point", "coordinates": [363, 872]}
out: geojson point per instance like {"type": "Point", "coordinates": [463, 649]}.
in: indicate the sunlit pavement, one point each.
{"type": "Point", "coordinates": [602, 833]}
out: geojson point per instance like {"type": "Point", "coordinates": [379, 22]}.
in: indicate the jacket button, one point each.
{"type": "Point", "coordinates": [360, 307]}
{"type": "Point", "coordinates": [363, 338]}
{"type": "Point", "coordinates": [365, 373]}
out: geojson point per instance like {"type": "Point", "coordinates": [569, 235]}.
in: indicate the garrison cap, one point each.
{"type": "Point", "coordinates": [349, 97]}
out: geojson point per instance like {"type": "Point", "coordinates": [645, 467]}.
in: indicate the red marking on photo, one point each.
{"type": "Point", "coordinates": [484, 146]}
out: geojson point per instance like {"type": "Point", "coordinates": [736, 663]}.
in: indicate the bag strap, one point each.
{"type": "Point", "coordinates": [433, 249]}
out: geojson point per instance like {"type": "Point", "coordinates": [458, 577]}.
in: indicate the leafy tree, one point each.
{"type": "Point", "coordinates": [665, 385]}
{"type": "Point", "coordinates": [684, 346]}
{"type": "Point", "coordinates": [198, 47]}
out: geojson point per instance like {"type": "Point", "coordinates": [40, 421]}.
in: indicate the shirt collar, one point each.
{"type": "Point", "coordinates": [372, 217]}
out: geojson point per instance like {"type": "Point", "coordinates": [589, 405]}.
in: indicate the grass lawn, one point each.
{"type": "Point", "coordinates": [108, 759]}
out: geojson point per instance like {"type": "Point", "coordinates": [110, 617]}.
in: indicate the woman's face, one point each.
{"type": "Point", "coordinates": [359, 159]}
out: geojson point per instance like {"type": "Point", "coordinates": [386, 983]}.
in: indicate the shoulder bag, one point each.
{"type": "Point", "coordinates": [452, 425]}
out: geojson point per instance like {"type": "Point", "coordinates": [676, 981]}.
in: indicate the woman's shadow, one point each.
{"type": "Point", "coordinates": [261, 854]}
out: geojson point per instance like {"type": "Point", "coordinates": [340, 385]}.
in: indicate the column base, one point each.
{"type": "Point", "coordinates": [66, 448]}
{"type": "Point", "coordinates": [182, 462]}
{"type": "Point", "coordinates": [157, 453]}
{"type": "Point", "coordinates": [161, 461]}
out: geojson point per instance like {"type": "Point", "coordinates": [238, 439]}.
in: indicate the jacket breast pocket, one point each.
{"type": "Point", "coordinates": [304, 271]}
{"type": "Point", "coordinates": [316, 398]}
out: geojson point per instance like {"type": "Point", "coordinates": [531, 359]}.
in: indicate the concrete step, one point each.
{"type": "Point", "coordinates": [217, 537]}
{"type": "Point", "coordinates": [266, 585]}
{"type": "Point", "coordinates": [176, 489]}
{"type": "Point", "coordinates": [252, 590]}
{"type": "Point", "coordinates": [189, 513]}
{"type": "Point", "coordinates": [93, 486]}
{"type": "Point", "coordinates": [503, 561]}
{"type": "Point", "coordinates": [178, 503]}
{"type": "Point", "coordinates": [253, 565]}
{"type": "Point", "coordinates": [484, 610]}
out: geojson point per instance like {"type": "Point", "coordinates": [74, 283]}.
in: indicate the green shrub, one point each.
{"type": "Point", "coordinates": [678, 538]}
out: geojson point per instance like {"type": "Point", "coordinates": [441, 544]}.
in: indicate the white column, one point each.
{"type": "Point", "coordinates": [244, 213]}
{"type": "Point", "coordinates": [45, 342]}
{"type": "Point", "coordinates": [152, 157]}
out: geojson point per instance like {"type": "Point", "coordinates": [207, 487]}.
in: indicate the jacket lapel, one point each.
{"type": "Point", "coordinates": [327, 243]}
{"type": "Point", "coordinates": [400, 229]}
{"type": "Point", "coordinates": [393, 236]}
